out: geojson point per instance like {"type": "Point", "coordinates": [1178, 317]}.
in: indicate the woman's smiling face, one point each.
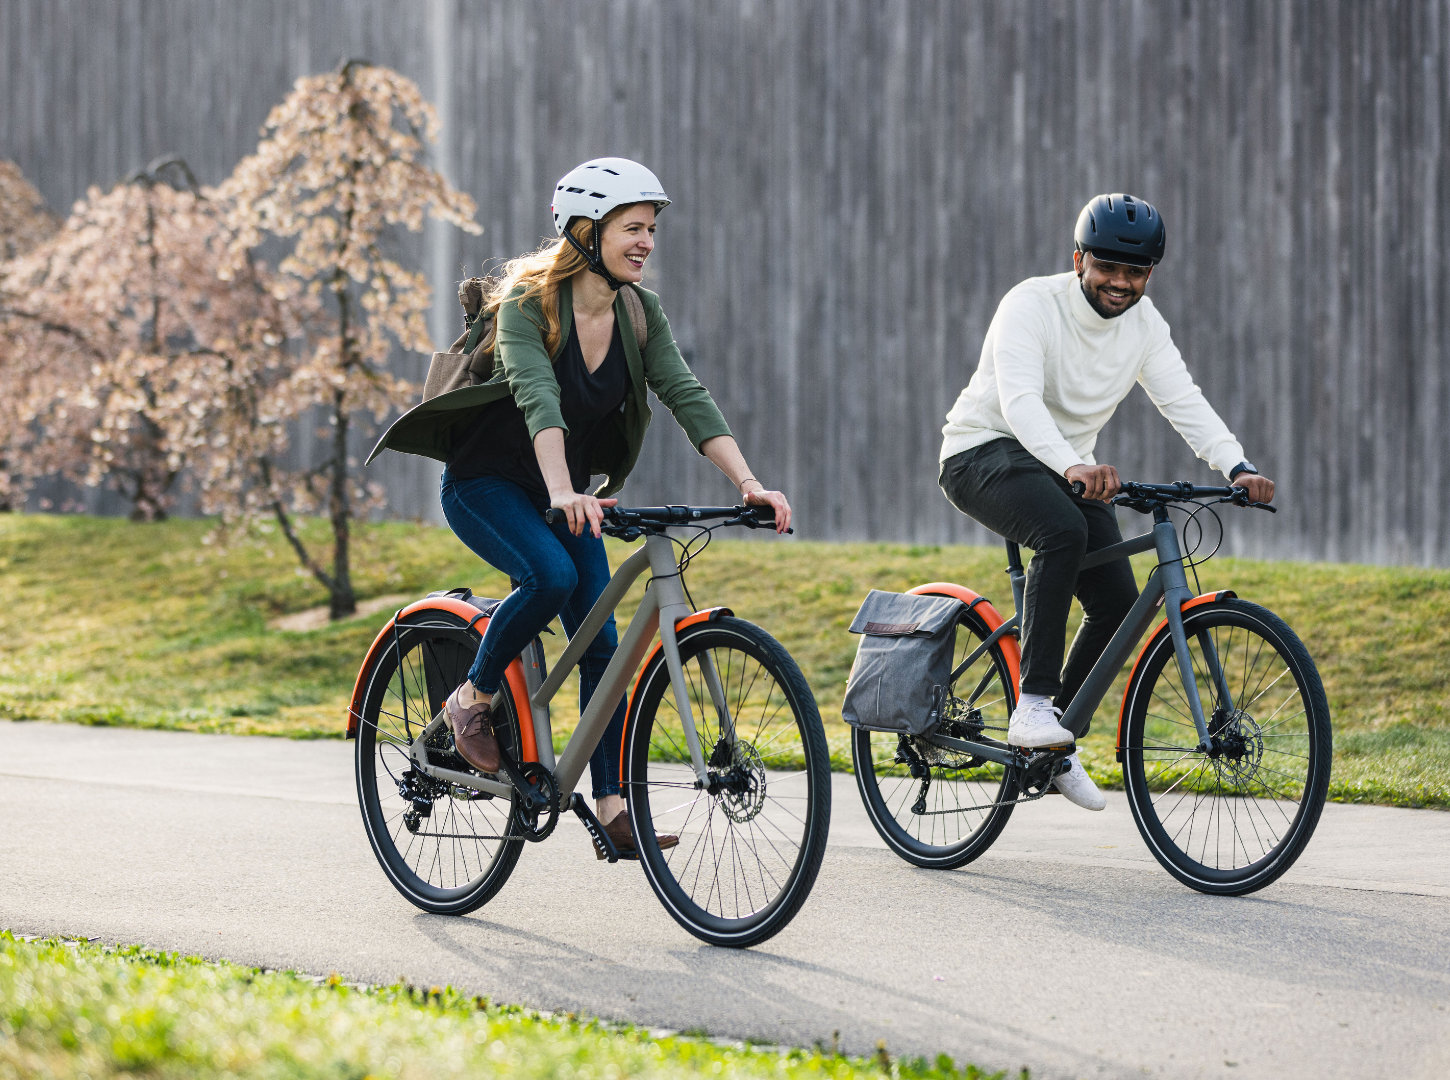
{"type": "Point", "coordinates": [627, 241]}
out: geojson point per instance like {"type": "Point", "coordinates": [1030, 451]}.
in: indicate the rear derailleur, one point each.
{"type": "Point", "coordinates": [419, 791]}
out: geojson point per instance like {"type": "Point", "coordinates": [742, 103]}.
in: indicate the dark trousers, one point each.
{"type": "Point", "coordinates": [1009, 491]}
{"type": "Point", "coordinates": [557, 573]}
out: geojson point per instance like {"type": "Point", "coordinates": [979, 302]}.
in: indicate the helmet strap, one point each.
{"type": "Point", "coordinates": [594, 258]}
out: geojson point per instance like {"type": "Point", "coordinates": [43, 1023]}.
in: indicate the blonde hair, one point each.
{"type": "Point", "coordinates": [541, 272]}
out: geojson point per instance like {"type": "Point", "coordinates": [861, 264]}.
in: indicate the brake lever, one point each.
{"type": "Point", "coordinates": [751, 520]}
{"type": "Point", "coordinates": [1243, 500]}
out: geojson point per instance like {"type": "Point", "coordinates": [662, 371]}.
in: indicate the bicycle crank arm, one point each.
{"type": "Point", "coordinates": [531, 798]}
{"type": "Point", "coordinates": [596, 831]}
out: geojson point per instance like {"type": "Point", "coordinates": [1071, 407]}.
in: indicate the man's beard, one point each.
{"type": "Point", "coordinates": [1093, 303]}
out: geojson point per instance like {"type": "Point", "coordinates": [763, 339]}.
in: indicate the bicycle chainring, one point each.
{"type": "Point", "coordinates": [536, 824]}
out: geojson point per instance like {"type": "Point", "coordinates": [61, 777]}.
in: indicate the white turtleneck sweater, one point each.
{"type": "Point", "coordinates": [1053, 371]}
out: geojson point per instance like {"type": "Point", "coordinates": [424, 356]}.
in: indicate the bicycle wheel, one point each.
{"type": "Point", "coordinates": [1231, 821]}
{"type": "Point", "coordinates": [437, 842]}
{"type": "Point", "coordinates": [751, 844]}
{"type": "Point", "coordinates": [938, 808]}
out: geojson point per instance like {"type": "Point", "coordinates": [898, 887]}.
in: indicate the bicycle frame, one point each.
{"type": "Point", "coordinates": [663, 608]}
{"type": "Point", "coordinates": [1167, 586]}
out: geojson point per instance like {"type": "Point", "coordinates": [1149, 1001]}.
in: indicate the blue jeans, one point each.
{"type": "Point", "coordinates": [556, 573]}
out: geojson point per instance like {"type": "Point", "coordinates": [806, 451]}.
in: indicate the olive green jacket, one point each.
{"type": "Point", "coordinates": [433, 428]}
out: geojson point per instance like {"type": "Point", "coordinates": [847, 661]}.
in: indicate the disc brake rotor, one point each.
{"type": "Point", "coordinates": [742, 786]}
{"type": "Point", "coordinates": [1243, 753]}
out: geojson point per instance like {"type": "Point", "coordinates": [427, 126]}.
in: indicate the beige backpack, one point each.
{"type": "Point", "coordinates": [469, 360]}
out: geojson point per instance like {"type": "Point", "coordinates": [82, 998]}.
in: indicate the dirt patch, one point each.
{"type": "Point", "coordinates": [316, 618]}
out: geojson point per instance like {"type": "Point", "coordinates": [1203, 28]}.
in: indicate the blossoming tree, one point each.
{"type": "Point", "coordinates": [339, 165]}
{"type": "Point", "coordinates": [25, 222]}
{"type": "Point", "coordinates": [126, 349]}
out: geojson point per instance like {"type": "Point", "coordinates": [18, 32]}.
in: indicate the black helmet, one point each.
{"type": "Point", "coordinates": [1121, 229]}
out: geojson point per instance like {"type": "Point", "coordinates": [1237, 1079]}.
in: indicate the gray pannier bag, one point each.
{"type": "Point", "coordinates": [903, 664]}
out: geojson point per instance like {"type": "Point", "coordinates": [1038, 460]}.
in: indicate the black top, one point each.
{"type": "Point", "coordinates": [498, 443]}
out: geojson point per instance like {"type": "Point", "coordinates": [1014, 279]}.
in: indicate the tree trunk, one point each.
{"type": "Point", "coordinates": [343, 601]}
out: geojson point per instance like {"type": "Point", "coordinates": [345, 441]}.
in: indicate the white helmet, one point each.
{"type": "Point", "coordinates": [597, 187]}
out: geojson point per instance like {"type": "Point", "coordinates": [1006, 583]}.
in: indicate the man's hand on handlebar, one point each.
{"type": "Point", "coordinates": [1260, 488]}
{"type": "Point", "coordinates": [1100, 482]}
{"type": "Point", "coordinates": [776, 500]}
{"type": "Point", "coordinates": [580, 510]}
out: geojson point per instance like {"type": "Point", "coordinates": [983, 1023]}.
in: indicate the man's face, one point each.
{"type": "Point", "coordinates": [1111, 288]}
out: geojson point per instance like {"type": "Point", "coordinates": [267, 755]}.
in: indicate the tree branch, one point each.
{"type": "Point", "coordinates": [289, 531]}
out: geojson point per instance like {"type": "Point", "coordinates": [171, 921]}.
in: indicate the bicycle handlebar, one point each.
{"type": "Point", "coordinates": [1146, 496]}
{"type": "Point", "coordinates": [653, 518]}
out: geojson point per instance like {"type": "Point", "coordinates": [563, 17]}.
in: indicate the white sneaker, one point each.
{"type": "Point", "coordinates": [1079, 788]}
{"type": "Point", "coordinates": [1036, 725]}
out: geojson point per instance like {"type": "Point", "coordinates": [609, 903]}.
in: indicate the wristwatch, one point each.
{"type": "Point", "coordinates": [1242, 466]}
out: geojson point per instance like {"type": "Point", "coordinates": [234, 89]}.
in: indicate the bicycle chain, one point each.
{"type": "Point", "coordinates": [984, 806]}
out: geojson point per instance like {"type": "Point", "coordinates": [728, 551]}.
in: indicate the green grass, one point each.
{"type": "Point", "coordinates": [72, 1009]}
{"type": "Point", "coordinates": [115, 622]}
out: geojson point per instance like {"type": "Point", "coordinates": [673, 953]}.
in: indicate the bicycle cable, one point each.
{"type": "Point", "coordinates": [688, 553]}
{"type": "Point", "coordinates": [1191, 518]}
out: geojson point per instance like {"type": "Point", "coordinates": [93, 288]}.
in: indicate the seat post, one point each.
{"type": "Point", "coordinates": [1017, 574]}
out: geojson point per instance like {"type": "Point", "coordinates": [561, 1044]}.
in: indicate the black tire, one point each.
{"type": "Point", "coordinates": [747, 855]}
{"type": "Point", "coordinates": [1233, 823]}
{"type": "Point", "coordinates": [950, 833]}
{"type": "Point", "coordinates": [440, 863]}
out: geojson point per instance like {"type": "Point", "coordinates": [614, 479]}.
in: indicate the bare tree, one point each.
{"type": "Point", "coordinates": [338, 166]}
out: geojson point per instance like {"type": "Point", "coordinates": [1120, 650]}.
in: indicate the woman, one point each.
{"type": "Point", "coordinates": [570, 403]}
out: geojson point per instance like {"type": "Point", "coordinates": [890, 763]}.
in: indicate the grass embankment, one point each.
{"type": "Point", "coordinates": [71, 1009]}
{"type": "Point", "coordinates": [112, 622]}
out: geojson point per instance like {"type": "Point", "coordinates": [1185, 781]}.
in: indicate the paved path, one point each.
{"type": "Point", "coordinates": [1065, 948]}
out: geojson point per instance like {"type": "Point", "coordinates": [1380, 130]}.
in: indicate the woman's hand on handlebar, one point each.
{"type": "Point", "coordinates": [581, 510]}
{"type": "Point", "coordinates": [1100, 482]}
{"type": "Point", "coordinates": [776, 500]}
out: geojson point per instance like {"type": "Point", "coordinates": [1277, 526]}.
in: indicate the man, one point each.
{"type": "Point", "coordinates": [1061, 353]}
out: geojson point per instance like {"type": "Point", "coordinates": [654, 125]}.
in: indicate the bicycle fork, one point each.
{"type": "Point", "coordinates": [1175, 594]}
{"type": "Point", "coordinates": [673, 607]}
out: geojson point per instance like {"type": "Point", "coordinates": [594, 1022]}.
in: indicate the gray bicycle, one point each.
{"type": "Point", "coordinates": [723, 747]}
{"type": "Point", "coordinates": [1224, 734]}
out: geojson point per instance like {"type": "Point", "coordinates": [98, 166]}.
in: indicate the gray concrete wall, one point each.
{"type": "Point", "coordinates": [857, 182]}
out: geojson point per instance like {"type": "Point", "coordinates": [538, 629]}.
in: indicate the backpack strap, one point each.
{"type": "Point", "coordinates": [477, 331]}
{"type": "Point", "coordinates": [635, 306]}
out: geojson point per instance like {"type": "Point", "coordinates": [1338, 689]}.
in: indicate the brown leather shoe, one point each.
{"type": "Point", "coordinates": [473, 733]}
{"type": "Point", "coordinates": [619, 832]}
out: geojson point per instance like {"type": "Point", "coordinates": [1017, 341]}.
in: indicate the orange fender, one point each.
{"type": "Point", "coordinates": [1158, 631]}
{"type": "Point", "coordinates": [514, 673]}
{"type": "Point", "coordinates": [1011, 650]}
{"type": "Point", "coordinates": [708, 615]}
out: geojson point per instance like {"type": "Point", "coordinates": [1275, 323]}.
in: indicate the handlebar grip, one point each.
{"type": "Point", "coordinates": [1078, 488]}
{"type": "Point", "coordinates": [550, 516]}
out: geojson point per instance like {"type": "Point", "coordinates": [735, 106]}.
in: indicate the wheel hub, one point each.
{"type": "Point", "coordinates": [740, 789]}
{"type": "Point", "coordinates": [1238, 746]}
